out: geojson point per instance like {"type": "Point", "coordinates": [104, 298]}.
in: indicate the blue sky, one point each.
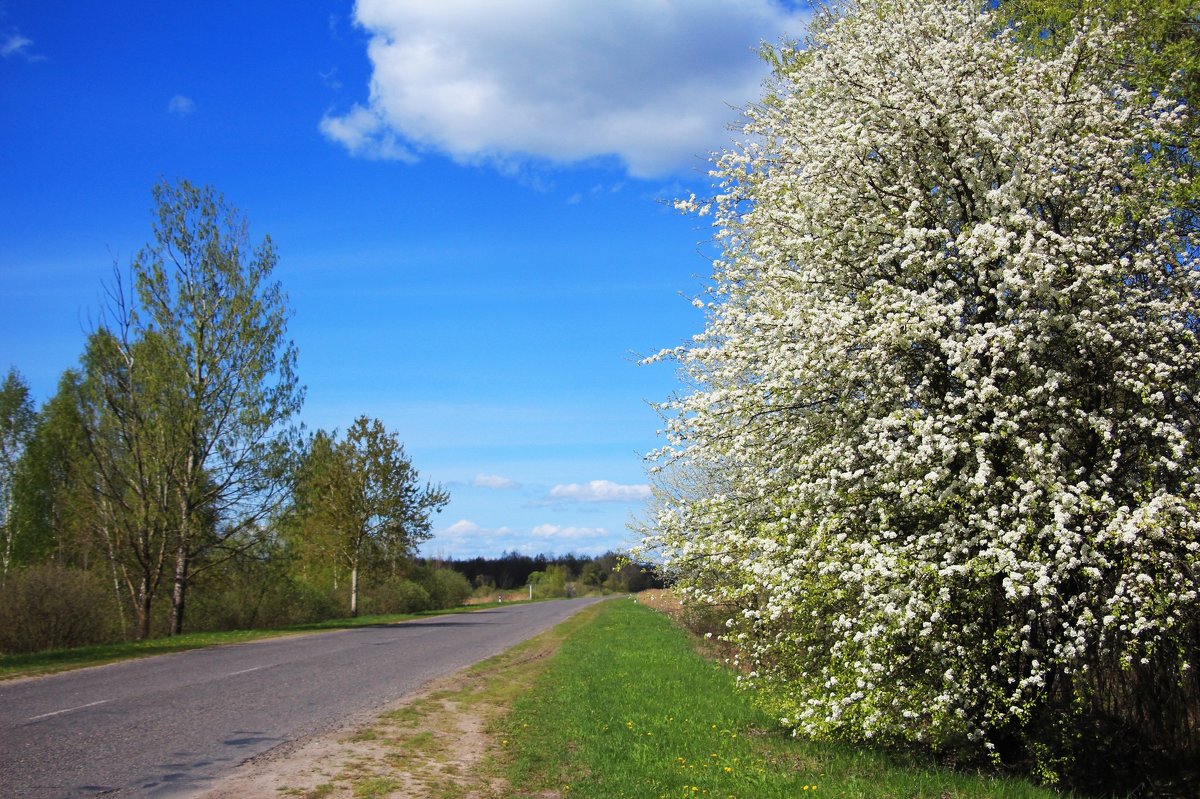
{"type": "Point", "coordinates": [470, 201]}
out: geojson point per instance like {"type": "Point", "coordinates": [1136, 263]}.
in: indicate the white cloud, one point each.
{"type": "Point", "coordinates": [463, 527]}
{"type": "Point", "coordinates": [366, 135]}
{"type": "Point", "coordinates": [600, 491]}
{"type": "Point", "coordinates": [14, 44]}
{"type": "Point", "coordinates": [494, 481]}
{"type": "Point", "coordinates": [181, 105]}
{"type": "Point", "coordinates": [650, 83]}
{"type": "Point", "coordinates": [466, 539]}
{"type": "Point", "coordinates": [558, 533]}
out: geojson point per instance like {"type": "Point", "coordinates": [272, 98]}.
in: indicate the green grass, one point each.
{"type": "Point", "coordinates": [627, 708]}
{"type": "Point", "coordinates": [63, 659]}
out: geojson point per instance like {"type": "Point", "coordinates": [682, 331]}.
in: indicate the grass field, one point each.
{"type": "Point", "coordinates": [627, 708]}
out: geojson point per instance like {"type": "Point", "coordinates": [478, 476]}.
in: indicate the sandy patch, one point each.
{"type": "Point", "coordinates": [427, 744]}
{"type": "Point", "coordinates": [432, 743]}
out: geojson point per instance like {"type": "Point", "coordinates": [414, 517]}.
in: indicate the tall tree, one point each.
{"type": "Point", "coordinates": [949, 381]}
{"type": "Point", "coordinates": [16, 425]}
{"type": "Point", "coordinates": [223, 320]}
{"type": "Point", "coordinates": [360, 499]}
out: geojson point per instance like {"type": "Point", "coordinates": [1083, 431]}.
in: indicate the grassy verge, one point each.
{"type": "Point", "coordinates": [626, 708]}
{"type": "Point", "coordinates": [63, 659]}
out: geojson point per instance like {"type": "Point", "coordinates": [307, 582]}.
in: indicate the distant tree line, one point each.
{"type": "Point", "coordinates": [555, 575]}
{"type": "Point", "coordinates": [166, 484]}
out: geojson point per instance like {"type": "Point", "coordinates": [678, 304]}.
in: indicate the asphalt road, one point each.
{"type": "Point", "coordinates": [169, 726]}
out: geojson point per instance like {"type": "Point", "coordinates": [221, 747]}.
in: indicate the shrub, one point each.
{"type": "Point", "coordinates": [52, 607]}
{"type": "Point", "coordinates": [395, 595]}
{"type": "Point", "coordinates": [257, 596]}
{"type": "Point", "coordinates": [447, 588]}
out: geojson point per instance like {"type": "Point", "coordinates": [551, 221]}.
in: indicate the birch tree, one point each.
{"type": "Point", "coordinates": [131, 438]}
{"type": "Point", "coordinates": [360, 500]}
{"type": "Point", "coordinates": [202, 286]}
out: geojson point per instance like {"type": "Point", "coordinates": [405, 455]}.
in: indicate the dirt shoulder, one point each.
{"type": "Point", "coordinates": [437, 743]}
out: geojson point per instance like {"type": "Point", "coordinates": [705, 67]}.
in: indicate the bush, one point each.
{"type": "Point", "coordinates": [395, 595]}
{"type": "Point", "coordinates": [52, 607]}
{"type": "Point", "coordinates": [447, 588]}
{"type": "Point", "coordinates": [256, 595]}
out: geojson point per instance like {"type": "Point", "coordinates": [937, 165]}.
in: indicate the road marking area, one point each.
{"type": "Point", "coordinates": [67, 710]}
{"type": "Point", "coordinates": [243, 671]}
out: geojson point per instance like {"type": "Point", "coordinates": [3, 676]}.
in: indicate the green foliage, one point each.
{"type": "Point", "coordinates": [552, 582]}
{"type": "Point", "coordinates": [447, 588]}
{"type": "Point", "coordinates": [1161, 41]}
{"type": "Point", "coordinates": [258, 592]}
{"type": "Point", "coordinates": [225, 370]}
{"type": "Point", "coordinates": [128, 401]}
{"type": "Point", "coordinates": [52, 607]}
{"type": "Point", "coordinates": [358, 502]}
{"type": "Point", "coordinates": [1160, 45]}
{"type": "Point", "coordinates": [395, 595]}
{"type": "Point", "coordinates": [54, 511]}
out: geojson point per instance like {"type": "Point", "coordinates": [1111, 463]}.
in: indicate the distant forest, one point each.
{"type": "Point", "coordinates": [513, 570]}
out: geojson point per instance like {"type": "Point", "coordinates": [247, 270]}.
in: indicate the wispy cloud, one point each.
{"type": "Point", "coordinates": [560, 533]}
{"type": "Point", "coordinates": [181, 105]}
{"type": "Point", "coordinates": [599, 491]}
{"type": "Point", "coordinates": [14, 45]}
{"type": "Point", "coordinates": [649, 83]}
{"type": "Point", "coordinates": [494, 481]}
{"type": "Point", "coordinates": [331, 79]}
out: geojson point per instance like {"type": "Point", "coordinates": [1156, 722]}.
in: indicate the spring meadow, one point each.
{"type": "Point", "coordinates": [923, 515]}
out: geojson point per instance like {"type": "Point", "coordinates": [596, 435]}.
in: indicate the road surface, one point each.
{"type": "Point", "coordinates": [171, 725]}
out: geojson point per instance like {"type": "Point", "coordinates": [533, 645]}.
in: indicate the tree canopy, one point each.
{"type": "Point", "coordinates": [360, 500]}
{"type": "Point", "coordinates": [943, 414]}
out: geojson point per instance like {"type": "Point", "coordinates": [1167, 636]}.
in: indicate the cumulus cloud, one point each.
{"type": "Point", "coordinates": [463, 527]}
{"type": "Point", "coordinates": [599, 491]}
{"type": "Point", "coordinates": [650, 83]}
{"type": "Point", "coordinates": [466, 539]}
{"type": "Point", "coordinates": [366, 135]}
{"type": "Point", "coordinates": [181, 105]}
{"type": "Point", "coordinates": [494, 481]}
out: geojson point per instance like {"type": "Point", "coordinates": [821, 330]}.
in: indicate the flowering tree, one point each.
{"type": "Point", "coordinates": [947, 391]}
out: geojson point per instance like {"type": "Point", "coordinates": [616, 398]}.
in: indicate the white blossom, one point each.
{"type": "Point", "coordinates": [941, 425]}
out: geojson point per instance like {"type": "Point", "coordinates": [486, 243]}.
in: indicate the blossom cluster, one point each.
{"type": "Point", "coordinates": [938, 453]}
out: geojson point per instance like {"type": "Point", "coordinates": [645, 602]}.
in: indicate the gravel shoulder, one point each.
{"type": "Point", "coordinates": [436, 742]}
